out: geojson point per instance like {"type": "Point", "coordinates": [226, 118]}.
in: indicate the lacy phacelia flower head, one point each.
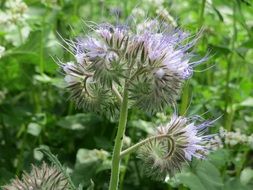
{"type": "Point", "coordinates": [173, 145]}
{"type": "Point", "coordinates": [45, 177]}
{"type": "Point", "coordinates": [153, 61]}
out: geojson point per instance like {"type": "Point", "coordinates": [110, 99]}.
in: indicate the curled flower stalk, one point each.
{"type": "Point", "coordinates": [117, 67]}
{"type": "Point", "coordinates": [171, 146]}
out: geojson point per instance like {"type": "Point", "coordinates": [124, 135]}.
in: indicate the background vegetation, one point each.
{"type": "Point", "coordinates": [35, 111]}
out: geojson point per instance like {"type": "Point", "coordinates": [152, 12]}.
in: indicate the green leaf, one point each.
{"type": "Point", "coordinates": [218, 13]}
{"type": "Point", "coordinates": [5, 176]}
{"type": "Point", "coordinates": [78, 121]}
{"type": "Point", "coordinates": [209, 175]}
{"type": "Point", "coordinates": [218, 50]}
{"type": "Point", "coordinates": [247, 44]}
{"type": "Point", "coordinates": [43, 78]}
{"type": "Point", "coordinates": [235, 184]}
{"type": "Point", "coordinates": [248, 102]}
{"type": "Point", "coordinates": [88, 163]}
{"type": "Point", "coordinates": [92, 185]}
{"type": "Point", "coordinates": [143, 125]}
{"type": "Point", "coordinates": [203, 175]}
{"type": "Point", "coordinates": [38, 155]}
{"type": "Point", "coordinates": [85, 156]}
{"type": "Point", "coordinates": [34, 129]}
{"type": "Point", "coordinates": [192, 181]}
{"type": "Point", "coordinates": [219, 158]}
{"type": "Point", "coordinates": [246, 176]}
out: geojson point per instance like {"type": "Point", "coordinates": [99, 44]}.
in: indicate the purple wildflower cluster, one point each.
{"type": "Point", "coordinates": [153, 62]}
{"type": "Point", "coordinates": [150, 63]}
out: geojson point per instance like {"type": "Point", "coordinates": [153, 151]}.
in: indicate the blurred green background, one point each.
{"type": "Point", "coordinates": [35, 110]}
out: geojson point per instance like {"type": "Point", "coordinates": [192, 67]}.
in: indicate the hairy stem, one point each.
{"type": "Point", "coordinates": [139, 144]}
{"type": "Point", "coordinates": [118, 140]}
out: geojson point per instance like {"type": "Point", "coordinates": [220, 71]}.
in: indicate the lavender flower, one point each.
{"type": "Point", "coordinates": [153, 61]}
{"type": "Point", "coordinates": [174, 144]}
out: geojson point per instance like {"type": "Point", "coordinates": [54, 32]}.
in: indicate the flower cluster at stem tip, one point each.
{"type": "Point", "coordinates": [153, 61]}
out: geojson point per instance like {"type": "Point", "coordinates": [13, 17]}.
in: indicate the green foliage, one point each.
{"type": "Point", "coordinates": [35, 111]}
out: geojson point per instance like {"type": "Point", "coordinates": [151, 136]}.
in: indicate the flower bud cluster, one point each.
{"type": "Point", "coordinates": [233, 138]}
{"type": "Point", "coordinates": [13, 21]}
{"type": "Point", "coordinates": [230, 138]}
{"type": "Point", "coordinates": [15, 12]}
{"type": "Point", "coordinates": [174, 144]}
{"type": "Point", "coordinates": [153, 61]}
{"type": "Point", "coordinates": [45, 177]}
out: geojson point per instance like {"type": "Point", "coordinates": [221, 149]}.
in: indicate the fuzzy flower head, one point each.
{"type": "Point", "coordinates": [152, 62]}
{"type": "Point", "coordinates": [174, 144]}
{"type": "Point", "coordinates": [45, 177]}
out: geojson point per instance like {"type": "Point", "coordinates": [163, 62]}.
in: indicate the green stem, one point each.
{"type": "Point", "coordinates": [185, 98]}
{"type": "Point", "coordinates": [20, 34]}
{"type": "Point", "coordinates": [139, 144]}
{"type": "Point", "coordinates": [42, 36]}
{"type": "Point", "coordinates": [122, 176]}
{"type": "Point", "coordinates": [20, 157]}
{"type": "Point", "coordinates": [118, 140]}
{"type": "Point", "coordinates": [202, 11]}
{"type": "Point", "coordinates": [228, 100]}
